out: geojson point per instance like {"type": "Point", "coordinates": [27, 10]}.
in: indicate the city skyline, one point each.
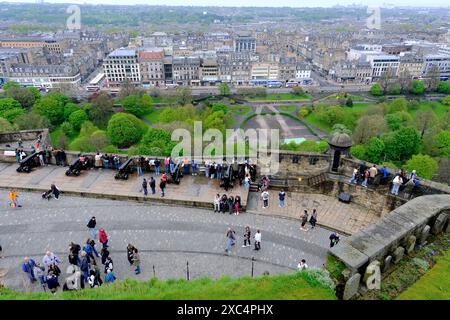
{"type": "Point", "coordinates": [251, 3]}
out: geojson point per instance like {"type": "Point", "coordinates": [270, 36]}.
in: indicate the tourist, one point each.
{"type": "Point", "coordinates": [247, 235]}
{"type": "Point", "coordinates": [396, 183]}
{"type": "Point", "coordinates": [247, 182]}
{"type": "Point", "coordinates": [207, 168]}
{"type": "Point", "coordinates": [51, 260]}
{"type": "Point", "coordinates": [136, 261]}
{"type": "Point", "coordinates": [38, 271]}
{"type": "Point", "coordinates": [166, 164]}
{"type": "Point", "coordinates": [302, 265]}
{"type": "Point", "coordinates": [385, 172]}
{"type": "Point", "coordinates": [1, 251]}
{"type": "Point", "coordinates": [108, 264]}
{"type": "Point", "coordinates": [281, 198]}
{"type": "Point", "coordinates": [157, 164]}
{"type": "Point", "coordinates": [185, 166]}
{"type": "Point", "coordinates": [373, 171]}
{"type": "Point", "coordinates": [74, 251]}
{"type": "Point", "coordinates": [110, 276]}
{"type": "Point", "coordinates": [96, 270]}
{"type": "Point", "coordinates": [236, 207]}
{"type": "Point", "coordinates": [105, 159]}
{"type": "Point", "coordinates": [12, 199]}
{"type": "Point", "coordinates": [85, 265]}
{"type": "Point", "coordinates": [366, 175]}
{"type": "Point", "coordinates": [138, 162]}
{"type": "Point", "coordinates": [104, 253]}
{"type": "Point", "coordinates": [230, 204]}
{"type": "Point", "coordinates": [90, 250]}
{"type": "Point", "coordinates": [91, 227]}
{"type": "Point", "coordinates": [152, 184]}
{"type": "Point", "coordinates": [304, 218]}
{"type": "Point", "coordinates": [313, 219]}
{"type": "Point", "coordinates": [415, 187]}
{"type": "Point", "coordinates": [194, 167]}
{"type": "Point", "coordinates": [130, 251]}
{"type": "Point", "coordinates": [162, 186]}
{"type": "Point", "coordinates": [55, 191]}
{"type": "Point", "coordinates": [116, 160]}
{"type": "Point", "coordinates": [98, 160]}
{"type": "Point", "coordinates": [334, 239]}
{"type": "Point", "coordinates": [265, 198]}
{"type": "Point", "coordinates": [144, 186]}
{"type": "Point", "coordinates": [103, 238]}
{"type": "Point", "coordinates": [231, 239]}
{"type": "Point", "coordinates": [412, 175]}
{"type": "Point", "coordinates": [257, 240]}
{"type": "Point", "coordinates": [224, 203]}
{"type": "Point", "coordinates": [27, 267]}
{"type": "Point", "coordinates": [93, 280]}
{"type": "Point", "coordinates": [41, 159]}
{"type": "Point", "coordinates": [217, 203]}
{"type": "Point", "coordinates": [52, 281]}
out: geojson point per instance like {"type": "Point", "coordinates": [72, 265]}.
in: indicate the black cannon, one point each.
{"type": "Point", "coordinates": [125, 169]}
{"type": "Point", "coordinates": [78, 165]}
{"type": "Point", "coordinates": [30, 162]}
{"type": "Point", "coordinates": [227, 178]}
{"type": "Point", "coordinates": [176, 175]}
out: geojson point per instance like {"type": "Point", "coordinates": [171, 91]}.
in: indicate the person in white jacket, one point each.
{"type": "Point", "coordinates": [396, 183]}
{"type": "Point", "coordinates": [50, 259]}
{"type": "Point", "coordinates": [217, 203]}
{"type": "Point", "coordinates": [257, 240]}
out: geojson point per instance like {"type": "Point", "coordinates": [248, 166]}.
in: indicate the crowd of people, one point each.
{"type": "Point", "coordinates": [87, 267]}
{"type": "Point", "coordinates": [226, 204]}
{"type": "Point", "coordinates": [381, 176]}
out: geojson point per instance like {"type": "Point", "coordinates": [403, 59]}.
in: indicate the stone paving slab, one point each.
{"type": "Point", "coordinates": [197, 191]}
{"type": "Point", "coordinates": [167, 237]}
{"type": "Point", "coordinates": [333, 214]}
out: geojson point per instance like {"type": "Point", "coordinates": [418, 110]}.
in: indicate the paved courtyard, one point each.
{"type": "Point", "coordinates": [331, 213]}
{"type": "Point", "coordinates": [167, 237]}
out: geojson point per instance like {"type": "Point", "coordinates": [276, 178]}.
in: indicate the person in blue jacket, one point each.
{"type": "Point", "coordinates": [27, 267]}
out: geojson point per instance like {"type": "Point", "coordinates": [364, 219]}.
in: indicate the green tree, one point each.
{"type": "Point", "coordinates": [424, 165]}
{"type": "Point", "coordinates": [358, 151]}
{"type": "Point", "coordinates": [62, 142]}
{"type": "Point", "coordinates": [69, 109]}
{"type": "Point", "coordinates": [8, 104]}
{"type": "Point", "coordinates": [5, 126]}
{"type": "Point", "coordinates": [332, 115]}
{"type": "Point", "coordinates": [12, 114]}
{"type": "Point", "coordinates": [398, 119]}
{"type": "Point", "coordinates": [368, 127]}
{"type": "Point", "coordinates": [25, 96]}
{"type": "Point", "coordinates": [349, 102]}
{"type": "Point", "coordinates": [446, 101]}
{"type": "Point", "coordinates": [375, 90]}
{"type": "Point", "coordinates": [32, 120]}
{"type": "Point", "coordinates": [77, 118]}
{"type": "Point", "coordinates": [425, 120]}
{"type": "Point", "coordinates": [443, 87]}
{"type": "Point", "coordinates": [395, 89]}
{"type": "Point", "coordinates": [443, 143]}
{"type": "Point", "coordinates": [184, 95]}
{"type": "Point", "coordinates": [10, 84]}
{"type": "Point", "coordinates": [417, 87]}
{"type": "Point", "coordinates": [156, 142]}
{"type": "Point", "coordinates": [340, 128]}
{"type": "Point", "coordinates": [224, 89]}
{"type": "Point", "coordinates": [51, 107]}
{"type": "Point", "coordinates": [125, 129]}
{"type": "Point", "coordinates": [146, 103]}
{"type": "Point", "coordinates": [432, 78]}
{"type": "Point", "coordinates": [101, 110]}
{"type": "Point", "coordinates": [402, 144]}
{"type": "Point", "coordinates": [399, 104]}
{"type": "Point", "coordinates": [67, 129]}
{"type": "Point", "coordinates": [131, 105]}
{"type": "Point", "coordinates": [375, 150]}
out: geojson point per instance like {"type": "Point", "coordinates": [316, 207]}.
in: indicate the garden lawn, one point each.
{"type": "Point", "coordinates": [439, 109]}
{"type": "Point", "coordinates": [294, 286]}
{"type": "Point", "coordinates": [434, 285]}
{"type": "Point", "coordinates": [312, 118]}
{"type": "Point", "coordinates": [240, 110]}
{"type": "Point", "coordinates": [288, 108]}
{"type": "Point", "coordinates": [281, 97]}
{"type": "Point", "coordinates": [153, 116]}
{"type": "Point", "coordinates": [55, 134]}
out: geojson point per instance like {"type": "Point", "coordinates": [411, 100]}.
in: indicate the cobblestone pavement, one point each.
{"type": "Point", "coordinates": [331, 213]}
{"type": "Point", "coordinates": [167, 236]}
{"type": "Point", "coordinates": [197, 189]}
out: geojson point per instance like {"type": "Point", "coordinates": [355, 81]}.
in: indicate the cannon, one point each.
{"type": "Point", "coordinates": [78, 165]}
{"type": "Point", "coordinates": [125, 169]}
{"type": "Point", "coordinates": [176, 175]}
{"type": "Point", "coordinates": [30, 162]}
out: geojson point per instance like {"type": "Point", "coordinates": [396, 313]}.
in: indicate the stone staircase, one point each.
{"type": "Point", "coordinates": [316, 180]}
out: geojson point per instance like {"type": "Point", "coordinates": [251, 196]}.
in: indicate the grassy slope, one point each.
{"type": "Point", "coordinates": [295, 286]}
{"type": "Point", "coordinates": [434, 285]}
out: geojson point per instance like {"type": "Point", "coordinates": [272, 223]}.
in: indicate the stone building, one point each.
{"type": "Point", "coordinates": [121, 65]}
{"type": "Point", "coordinates": [209, 71]}
{"type": "Point", "coordinates": [151, 63]}
{"type": "Point", "coordinates": [186, 71]}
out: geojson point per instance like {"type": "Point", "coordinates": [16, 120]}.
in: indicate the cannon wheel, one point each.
{"type": "Point", "coordinates": [27, 169]}
{"type": "Point", "coordinates": [116, 177]}
{"type": "Point", "coordinates": [125, 176]}
{"type": "Point", "coordinates": [77, 173]}
{"type": "Point", "coordinates": [68, 173]}
{"type": "Point", "coordinates": [19, 169]}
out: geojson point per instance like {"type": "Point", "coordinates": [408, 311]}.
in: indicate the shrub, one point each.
{"type": "Point", "coordinates": [5, 126]}
{"type": "Point", "coordinates": [424, 165]}
{"type": "Point", "coordinates": [417, 87]}
{"type": "Point", "coordinates": [422, 264]}
{"type": "Point", "coordinates": [319, 276]}
{"type": "Point", "coordinates": [304, 112]}
{"type": "Point", "coordinates": [375, 90]}
{"type": "Point", "coordinates": [77, 118]}
{"type": "Point", "coordinates": [358, 151]}
{"type": "Point", "coordinates": [375, 150]}
{"type": "Point", "coordinates": [69, 109]}
{"type": "Point", "coordinates": [12, 114]}
{"type": "Point", "coordinates": [125, 129]}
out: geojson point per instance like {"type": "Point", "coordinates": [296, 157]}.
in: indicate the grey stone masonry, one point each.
{"type": "Point", "coordinates": [352, 286]}
{"type": "Point", "coordinates": [381, 237]}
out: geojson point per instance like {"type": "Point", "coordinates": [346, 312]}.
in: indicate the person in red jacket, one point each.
{"type": "Point", "coordinates": [103, 238]}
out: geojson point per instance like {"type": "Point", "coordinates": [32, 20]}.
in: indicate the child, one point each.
{"type": "Point", "coordinates": [236, 208]}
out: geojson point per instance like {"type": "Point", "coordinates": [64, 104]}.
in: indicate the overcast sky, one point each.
{"type": "Point", "coordinates": [259, 3]}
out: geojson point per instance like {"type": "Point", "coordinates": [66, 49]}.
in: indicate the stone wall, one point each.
{"type": "Point", "coordinates": [372, 251]}
{"type": "Point", "coordinates": [28, 137]}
